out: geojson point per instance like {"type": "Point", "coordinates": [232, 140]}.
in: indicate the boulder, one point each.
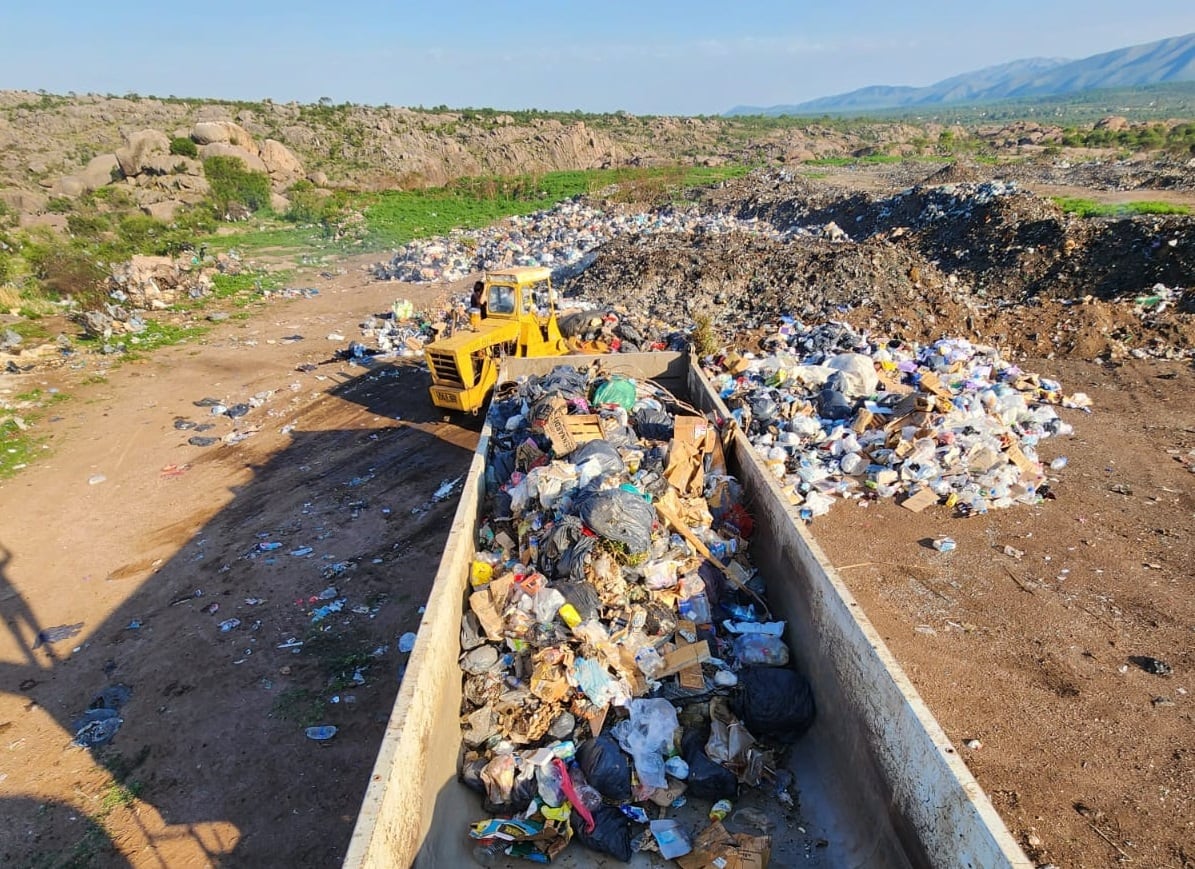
{"type": "Point", "coordinates": [98, 172]}
{"type": "Point", "coordinates": [224, 133]}
{"type": "Point", "coordinates": [163, 211]}
{"type": "Point", "coordinates": [318, 178]}
{"type": "Point", "coordinates": [279, 203]}
{"type": "Point", "coordinates": [24, 201]}
{"type": "Point", "coordinates": [138, 147]}
{"type": "Point", "coordinates": [220, 149]}
{"type": "Point", "coordinates": [193, 184]}
{"type": "Point", "coordinates": [1113, 123]}
{"type": "Point", "coordinates": [70, 186]}
{"type": "Point", "coordinates": [171, 164]}
{"type": "Point", "coordinates": [280, 160]}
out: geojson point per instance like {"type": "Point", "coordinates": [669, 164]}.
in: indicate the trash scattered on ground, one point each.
{"type": "Point", "coordinates": [407, 642]}
{"type": "Point", "coordinates": [49, 636]}
{"type": "Point", "coordinates": [837, 414]}
{"type": "Point", "coordinates": [1151, 665]}
{"type": "Point", "coordinates": [100, 722]}
{"type": "Point", "coordinates": [610, 595]}
{"type": "Point", "coordinates": [559, 238]}
{"type": "Point", "coordinates": [96, 479]}
{"type": "Point", "coordinates": [321, 733]}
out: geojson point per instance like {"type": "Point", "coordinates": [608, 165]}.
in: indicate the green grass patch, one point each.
{"type": "Point", "coordinates": [41, 398]}
{"type": "Point", "coordinates": [18, 448]}
{"type": "Point", "coordinates": [300, 705]}
{"type": "Point", "coordinates": [1090, 208]}
{"type": "Point", "coordinates": [30, 330]}
{"type": "Point", "coordinates": [869, 160]}
{"type": "Point", "coordinates": [118, 795]}
{"type": "Point", "coordinates": [399, 216]}
{"type": "Point", "coordinates": [158, 334]}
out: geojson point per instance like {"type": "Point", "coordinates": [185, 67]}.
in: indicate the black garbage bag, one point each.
{"type": "Point", "coordinates": [764, 407]}
{"type": "Point", "coordinates": [502, 411]}
{"type": "Point", "coordinates": [524, 791]}
{"type": "Point", "coordinates": [583, 596]}
{"type": "Point", "coordinates": [618, 515]}
{"type": "Point", "coordinates": [629, 333]}
{"type": "Point", "coordinates": [654, 424]}
{"type": "Point", "coordinates": [566, 549]}
{"type": "Point", "coordinates": [605, 453]}
{"type": "Point", "coordinates": [572, 562]}
{"type": "Point", "coordinates": [707, 780]}
{"type": "Point", "coordinates": [618, 435]}
{"type": "Point", "coordinates": [605, 768]}
{"type": "Point", "coordinates": [578, 323]}
{"type": "Point", "coordinates": [501, 509]}
{"type": "Point", "coordinates": [502, 463]}
{"type": "Point", "coordinates": [774, 703]}
{"type": "Point", "coordinates": [611, 833]}
{"type": "Point", "coordinates": [565, 381]}
{"type": "Point", "coordinates": [832, 402]}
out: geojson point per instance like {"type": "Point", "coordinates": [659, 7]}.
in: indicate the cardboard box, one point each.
{"type": "Point", "coordinates": [684, 656]}
{"type": "Point", "coordinates": [716, 847]}
{"type": "Point", "coordinates": [920, 499]}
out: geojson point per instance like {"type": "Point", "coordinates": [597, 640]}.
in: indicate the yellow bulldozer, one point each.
{"type": "Point", "coordinates": [518, 319]}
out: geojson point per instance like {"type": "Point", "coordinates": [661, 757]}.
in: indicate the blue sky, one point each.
{"type": "Point", "coordinates": [661, 57]}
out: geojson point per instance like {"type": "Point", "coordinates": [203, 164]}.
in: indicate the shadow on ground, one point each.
{"type": "Point", "coordinates": [211, 750]}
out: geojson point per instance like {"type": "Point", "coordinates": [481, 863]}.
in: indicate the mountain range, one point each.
{"type": "Point", "coordinates": [1167, 60]}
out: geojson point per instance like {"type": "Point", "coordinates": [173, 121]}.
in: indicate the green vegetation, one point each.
{"type": "Point", "coordinates": [1178, 139]}
{"type": "Point", "coordinates": [1091, 208]}
{"type": "Point", "coordinates": [182, 146]}
{"type": "Point", "coordinates": [18, 446]}
{"type": "Point", "coordinates": [398, 216]}
{"type": "Point", "coordinates": [236, 187]}
{"type": "Point", "coordinates": [870, 159]}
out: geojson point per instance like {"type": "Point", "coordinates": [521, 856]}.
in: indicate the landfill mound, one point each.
{"type": "Point", "coordinates": [985, 260]}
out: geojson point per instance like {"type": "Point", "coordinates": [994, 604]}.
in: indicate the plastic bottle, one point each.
{"type": "Point", "coordinates": [490, 853]}
{"type": "Point", "coordinates": [694, 605]}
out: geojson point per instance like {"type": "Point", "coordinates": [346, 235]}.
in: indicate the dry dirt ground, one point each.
{"type": "Point", "coordinates": [1089, 759]}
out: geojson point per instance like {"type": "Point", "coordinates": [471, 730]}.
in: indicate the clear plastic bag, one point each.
{"type": "Point", "coordinates": [761, 649]}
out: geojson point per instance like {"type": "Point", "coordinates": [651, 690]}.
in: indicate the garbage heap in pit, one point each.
{"type": "Point", "coordinates": [618, 654]}
{"type": "Point", "coordinates": [836, 414]}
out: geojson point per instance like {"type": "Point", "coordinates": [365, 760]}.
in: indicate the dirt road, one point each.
{"type": "Point", "coordinates": [211, 764]}
{"type": "Point", "coordinates": [133, 535]}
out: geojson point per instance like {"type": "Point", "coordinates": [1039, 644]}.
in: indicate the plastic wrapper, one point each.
{"type": "Point", "coordinates": [761, 649]}
{"type": "Point", "coordinates": [647, 736]}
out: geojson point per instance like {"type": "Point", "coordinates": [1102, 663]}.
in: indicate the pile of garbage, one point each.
{"type": "Point", "coordinates": [836, 415]}
{"type": "Point", "coordinates": [560, 238]}
{"type": "Point", "coordinates": [619, 658]}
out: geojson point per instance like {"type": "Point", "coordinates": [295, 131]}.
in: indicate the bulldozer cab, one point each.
{"type": "Point", "coordinates": [519, 293]}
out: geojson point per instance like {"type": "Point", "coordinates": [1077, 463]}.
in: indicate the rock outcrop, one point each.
{"type": "Point", "coordinates": [138, 148]}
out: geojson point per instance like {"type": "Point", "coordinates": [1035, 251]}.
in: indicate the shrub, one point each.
{"type": "Point", "coordinates": [67, 271]}
{"type": "Point", "coordinates": [87, 226]}
{"type": "Point", "coordinates": [60, 205]}
{"type": "Point", "coordinates": [233, 184]}
{"type": "Point", "coordinates": [181, 146]}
